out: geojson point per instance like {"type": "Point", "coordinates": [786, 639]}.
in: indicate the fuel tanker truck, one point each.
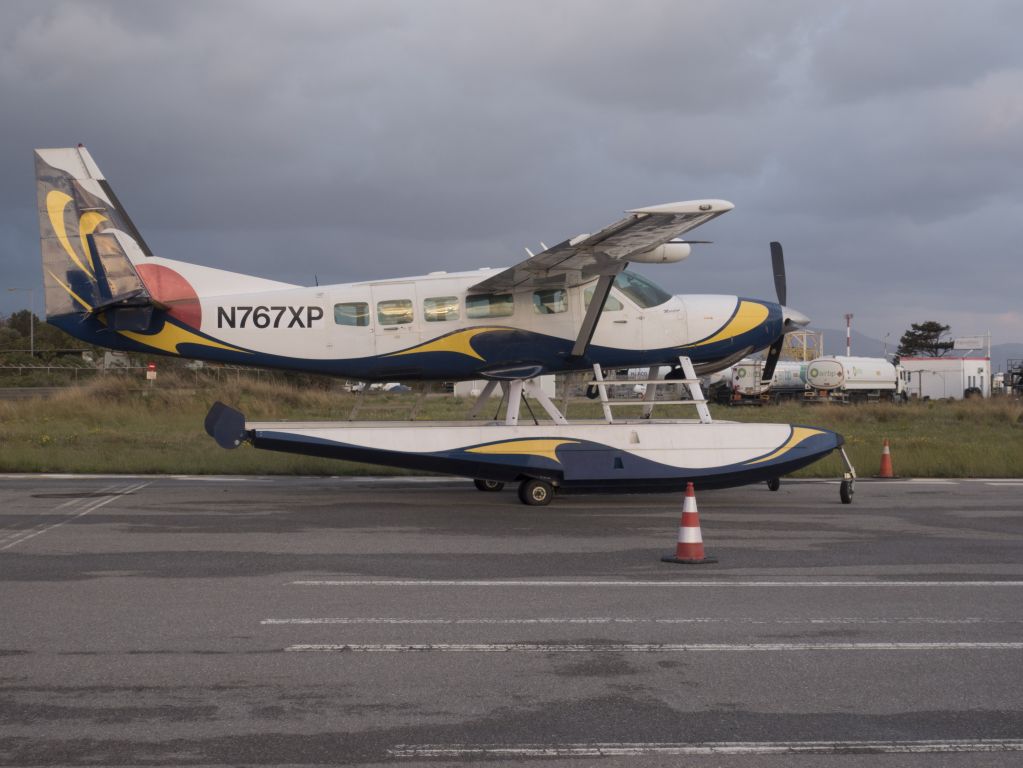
{"type": "Point", "coordinates": [854, 379]}
{"type": "Point", "coordinates": [788, 383]}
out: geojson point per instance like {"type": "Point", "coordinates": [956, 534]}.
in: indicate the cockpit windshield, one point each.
{"type": "Point", "coordinates": [640, 290]}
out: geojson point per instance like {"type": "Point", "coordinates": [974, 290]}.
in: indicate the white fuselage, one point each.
{"type": "Point", "coordinates": [319, 322]}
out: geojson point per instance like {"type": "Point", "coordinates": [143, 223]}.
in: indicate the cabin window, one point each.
{"type": "Point", "coordinates": [440, 308]}
{"type": "Point", "coordinates": [394, 312]}
{"type": "Point", "coordinates": [550, 301]}
{"type": "Point", "coordinates": [611, 305]}
{"type": "Point", "coordinates": [489, 305]}
{"type": "Point", "coordinates": [640, 290]}
{"type": "Point", "coordinates": [351, 313]}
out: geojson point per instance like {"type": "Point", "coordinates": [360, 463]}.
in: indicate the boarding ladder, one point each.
{"type": "Point", "coordinates": [650, 396]}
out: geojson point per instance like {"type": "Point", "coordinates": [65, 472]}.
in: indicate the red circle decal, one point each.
{"type": "Point", "coordinates": [168, 287]}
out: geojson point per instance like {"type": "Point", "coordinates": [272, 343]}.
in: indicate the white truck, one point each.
{"type": "Point", "coordinates": [854, 379]}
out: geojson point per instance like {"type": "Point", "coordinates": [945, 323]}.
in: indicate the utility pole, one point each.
{"type": "Point", "coordinates": [848, 335]}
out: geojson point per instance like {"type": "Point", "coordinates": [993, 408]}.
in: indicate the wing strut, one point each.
{"type": "Point", "coordinates": [589, 326]}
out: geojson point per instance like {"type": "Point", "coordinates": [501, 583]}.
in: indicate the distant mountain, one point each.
{"type": "Point", "coordinates": [1000, 353]}
{"type": "Point", "coordinates": [864, 346]}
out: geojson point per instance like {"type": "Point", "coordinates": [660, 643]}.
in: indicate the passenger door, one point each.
{"type": "Point", "coordinates": [396, 317]}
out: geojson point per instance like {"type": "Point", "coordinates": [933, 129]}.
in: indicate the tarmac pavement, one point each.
{"type": "Point", "coordinates": [312, 621]}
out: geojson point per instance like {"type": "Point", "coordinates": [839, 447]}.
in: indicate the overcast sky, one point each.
{"type": "Point", "coordinates": [881, 142]}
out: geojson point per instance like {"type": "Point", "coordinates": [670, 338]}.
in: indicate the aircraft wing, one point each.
{"type": "Point", "coordinates": [585, 257]}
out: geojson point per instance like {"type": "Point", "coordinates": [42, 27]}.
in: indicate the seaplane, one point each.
{"type": "Point", "coordinates": [574, 307]}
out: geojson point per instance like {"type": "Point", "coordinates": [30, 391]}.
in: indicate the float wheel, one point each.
{"type": "Point", "coordinates": [536, 492]}
{"type": "Point", "coordinates": [488, 486]}
{"type": "Point", "coordinates": [845, 491]}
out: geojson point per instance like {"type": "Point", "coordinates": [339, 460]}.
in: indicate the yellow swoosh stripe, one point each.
{"type": "Point", "coordinates": [170, 336]}
{"type": "Point", "coordinates": [748, 316]}
{"type": "Point", "coordinates": [799, 434]}
{"type": "Point", "coordinates": [56, 202]}
{"type": "Point", "coordinates": [545, 448]}
{"type": "Point", "coordinates": [459, 342]}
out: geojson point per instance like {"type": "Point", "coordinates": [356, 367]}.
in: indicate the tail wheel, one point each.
{"type": "Point", "coordinates": [491, 486]}
{"type": "Point", "coordinates": [536, 493]}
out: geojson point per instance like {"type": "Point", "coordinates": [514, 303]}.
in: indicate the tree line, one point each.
{"type": "Point", "coordinates": [22, 332]}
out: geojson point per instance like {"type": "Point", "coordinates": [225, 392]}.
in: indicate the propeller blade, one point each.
{"type": "Point", "coordinates": [778, 264]}
{"type": "Point", "coordinates": [772, 361]}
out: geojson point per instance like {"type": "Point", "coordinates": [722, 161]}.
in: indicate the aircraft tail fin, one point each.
{"type": "Point", "coordinates": [89, 243]}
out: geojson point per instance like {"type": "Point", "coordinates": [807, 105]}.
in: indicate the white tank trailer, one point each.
{"type": "Point", "coordinates": [788, 382]}
{"type": "Point", "coordinates": [854, 379]}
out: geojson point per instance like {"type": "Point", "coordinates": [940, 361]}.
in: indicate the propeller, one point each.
{"type": "Point", "coordinates": [774, 353]}
{"type": "Point", "coordinates": [778, 265]}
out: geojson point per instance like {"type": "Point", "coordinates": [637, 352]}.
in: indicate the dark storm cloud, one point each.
{"type": "Point", "coordinates": [879, 141]}
{"type": "Point", "coordinates": [875, 49]}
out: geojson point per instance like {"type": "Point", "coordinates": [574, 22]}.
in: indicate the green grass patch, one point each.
{"type": "Point", "coordinates": [114, 425]}
{"type": "Point", "coordinates": [971, 438]}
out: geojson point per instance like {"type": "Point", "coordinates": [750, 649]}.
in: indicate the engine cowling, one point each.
{"type": "Point", "coordinates": [668, 253]}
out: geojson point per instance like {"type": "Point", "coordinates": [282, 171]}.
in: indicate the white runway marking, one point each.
{"type": "Point", "coordinates": [627, 584]}
{"type": "Point", "coordinates": [11, 531]}
{"type": "Point", "coordinates": [220, 479]}
{"type": "Point", "coordinates": [59, 476]}
{"type": "Point", "coordinates": [463, 751]}
{"type": "Point", "coordinates": [641, 647]}
{"type": "Point", "coordinates": [611, 620]}
{"type": "Point", "coordinates": [91, 506]}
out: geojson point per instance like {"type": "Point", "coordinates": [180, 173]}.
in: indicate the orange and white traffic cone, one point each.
{"type": "Point", "coordinates": [886, 462]}
{"type": "Point", "coordinates": [689, 550]}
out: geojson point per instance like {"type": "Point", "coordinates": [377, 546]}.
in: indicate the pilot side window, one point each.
{"type": "Point", "coordinates": [550, 301]}
{"type": "Point", "coordinates": [641, 290]}
{"type": "Point", "coordinates": [440, 308]}
{"type": "Point", "coordinates": [351, 313]}
{"type": "Point", "coordinates": [611, 305]}
{"type": "Point", "coordinates": [394, 312]}
{"type": "Point", "coordinates": [489, 305]}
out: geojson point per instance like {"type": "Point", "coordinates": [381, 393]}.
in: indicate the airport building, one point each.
{"type": "Point", "coordinates": [936, 378]}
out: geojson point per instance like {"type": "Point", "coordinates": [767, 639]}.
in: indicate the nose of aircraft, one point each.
{"type": "Point", "coordinates": [794, 318]}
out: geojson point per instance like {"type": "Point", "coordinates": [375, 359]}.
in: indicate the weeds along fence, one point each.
{"type": "Point", "coordinates": [44, 375]}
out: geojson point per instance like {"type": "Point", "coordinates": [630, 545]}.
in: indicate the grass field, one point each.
{"type": "Point", "coordinates": [114, 426]}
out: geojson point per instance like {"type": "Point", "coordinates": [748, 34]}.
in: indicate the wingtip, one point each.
{"type": "Point", "coordinates": [688, 206]}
